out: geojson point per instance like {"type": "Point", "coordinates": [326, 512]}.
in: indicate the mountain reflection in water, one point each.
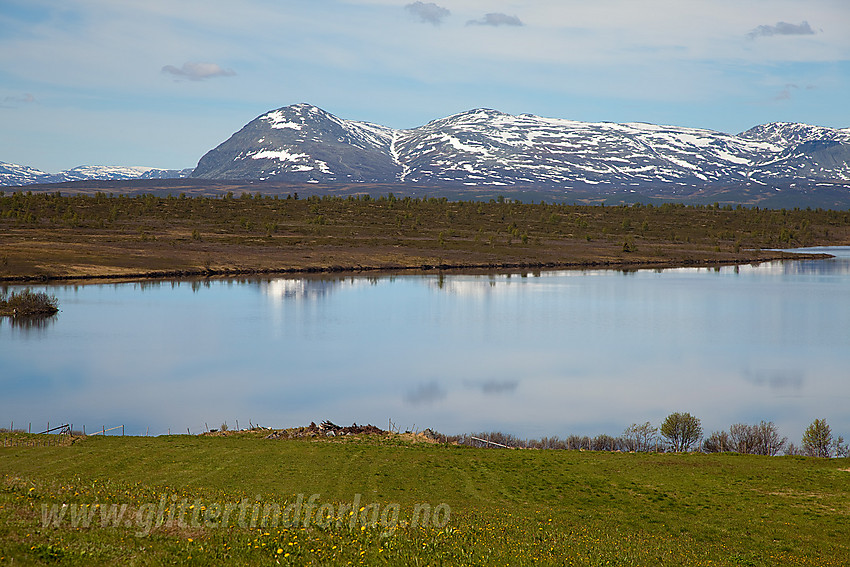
{"type": "Point", "coordinates": [531, 354]}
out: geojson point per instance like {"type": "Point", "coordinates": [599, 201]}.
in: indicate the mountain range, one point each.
{"type": "Point", "coordinates": [302, 143]}
{"type": "Point", "coordinates": [486, 147]}
{"type": "Point", "coordinates": [13, 174]}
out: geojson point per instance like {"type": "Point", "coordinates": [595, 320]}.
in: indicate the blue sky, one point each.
{"type": "Point", "coordinates": [160, 82]}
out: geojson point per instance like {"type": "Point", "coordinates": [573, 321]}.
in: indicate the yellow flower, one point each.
{"type": "Point", "coordinates": [279, 550]}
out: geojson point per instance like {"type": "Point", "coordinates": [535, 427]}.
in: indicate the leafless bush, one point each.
{"type": "Point", "coordinates": [577, 442]}
{"type": "Point", "coordinates": [27, 303]}
{"type": "Point", "coordinates": [761, 439]}
{"type": "Point", "coordinates": [717, 442]}
{"type": "Point", "coordinates": [640, 437]}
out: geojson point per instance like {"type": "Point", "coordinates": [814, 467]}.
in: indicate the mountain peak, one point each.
{"type": "Point", "coordinates": [299, 143]}
{"type": "Point", "coordinates": [792, 133]}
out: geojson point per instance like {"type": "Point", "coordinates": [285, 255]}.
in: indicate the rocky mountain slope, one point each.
{"type": "Point", "coordinates": [303, 143]}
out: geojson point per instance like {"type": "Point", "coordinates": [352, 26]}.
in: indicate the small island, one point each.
{"type": "Point", "coordinates": [27, 303]}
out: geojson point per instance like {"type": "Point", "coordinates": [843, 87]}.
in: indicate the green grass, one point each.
{"type": "Point", "coordinates": [517, 507]}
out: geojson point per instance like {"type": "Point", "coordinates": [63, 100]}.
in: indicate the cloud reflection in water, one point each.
{"type": "Point", "coordinates": [548, 354]}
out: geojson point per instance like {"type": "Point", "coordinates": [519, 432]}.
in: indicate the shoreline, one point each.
{"type": "Point", "coordinates": [455, 268]}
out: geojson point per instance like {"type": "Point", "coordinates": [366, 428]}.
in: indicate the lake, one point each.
{"type": "Point", "coordinates": [531, 354]}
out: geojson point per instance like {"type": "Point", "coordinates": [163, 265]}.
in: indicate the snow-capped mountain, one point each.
{"type": "Point", "coordinates": [792, 133]}
{"type": "Point", "coordinates": [303, 143]}
{"type": "Point", "coordinates": [486, 147]}
{"type": "Point", "coordinates": [12, 174]}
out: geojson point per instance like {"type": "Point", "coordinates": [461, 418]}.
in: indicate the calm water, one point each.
{"type": "Point", "coordinates": [553, 353]}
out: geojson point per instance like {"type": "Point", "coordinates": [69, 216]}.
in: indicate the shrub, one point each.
{"type": "Point", "coordinates": [761, 439]}
{"type": "Point", "coordinates": [717, 442]}
{"type": "Point", "coordinates": [640, 436]}
{"type": "Point", "coordinates": [682, 431]}
{"type": "Point", "coordinates": [27, 303]}
{"type": "Point", "coordinates": [818, 441]}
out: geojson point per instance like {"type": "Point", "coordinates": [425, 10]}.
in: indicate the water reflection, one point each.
{"type": "Point", "coordinates": [309, 289]}
{"type": "Point", "coordinates": [28, 324]}
{"type": "Point", "coordinates": [776, 379]}
{"type": "Point", "coordinates": [427, 393]}
{"type": "Point", "coordinates": [532, 354]}
{"type": "Point", "coordinates": [495, 386]}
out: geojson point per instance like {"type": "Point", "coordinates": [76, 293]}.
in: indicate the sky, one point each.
{"type": "Point", "coordinates": [160, 82]}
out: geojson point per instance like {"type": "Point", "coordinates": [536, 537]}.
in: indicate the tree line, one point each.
{"type": "Point", "coordinates": [682, 432]}
{"type": "Point", "coordinates": [270, 214]}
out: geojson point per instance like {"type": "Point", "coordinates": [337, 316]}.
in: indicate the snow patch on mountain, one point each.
{"type": "Point", "coordinates": [281, 155]}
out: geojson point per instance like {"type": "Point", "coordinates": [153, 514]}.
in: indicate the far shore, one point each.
{"type": "Point", "coordinates": [509, 267]}
{"type": "Point", "coordinates": [50, 237]}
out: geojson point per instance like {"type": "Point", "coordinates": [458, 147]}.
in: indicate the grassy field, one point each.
{"type": "Point", "coordinates": [46, 235]}
{"type": "Point", "coordinates": [488, 506]}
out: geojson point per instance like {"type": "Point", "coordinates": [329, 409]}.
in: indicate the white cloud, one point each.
{"type": "Point", "coordinates": [782, 28]}
{"type": "Point", "coordinates": [16, 100]}
{"type": "Point", "coordinates": [428, 12]}
{"type": "Point", "coordinates": [496, 19]}
{"type": "Point", "coordinates": [785, 94]}
{"type": "Point", "coordinates": [198, 71]}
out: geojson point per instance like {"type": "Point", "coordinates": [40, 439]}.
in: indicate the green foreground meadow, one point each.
{"type": "Point", "coordinates": [396, 500]}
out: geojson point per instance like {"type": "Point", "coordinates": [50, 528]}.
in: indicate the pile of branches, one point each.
{"type": "Point", "coordinates": [326, 429]}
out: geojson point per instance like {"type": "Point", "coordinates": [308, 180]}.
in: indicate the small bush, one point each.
{"type": "Point", "coordinates": [27, 303]}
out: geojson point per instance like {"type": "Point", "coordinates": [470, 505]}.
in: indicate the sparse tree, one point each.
{"type": "Point", "coordinates": [742, 438]}
{"type": "Point", "coordinates": [682, 431]}
{"type": "Point", "coordinates": [604, 443]}
{"type": "Point", "coordinates": [761, 439]}
{"type": "Point", "coordinates": [717, 442]}
{"type": "Point", "coordinates": [769, 441]}
{"type": "Point", "coordinates": [841, 448]}
{"type": "Point", "coordinates": [640, 437]}
{"type": "Point", "coordinates": [793, 451]}
{"type": "Point", "coordinates": [817, 440]}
